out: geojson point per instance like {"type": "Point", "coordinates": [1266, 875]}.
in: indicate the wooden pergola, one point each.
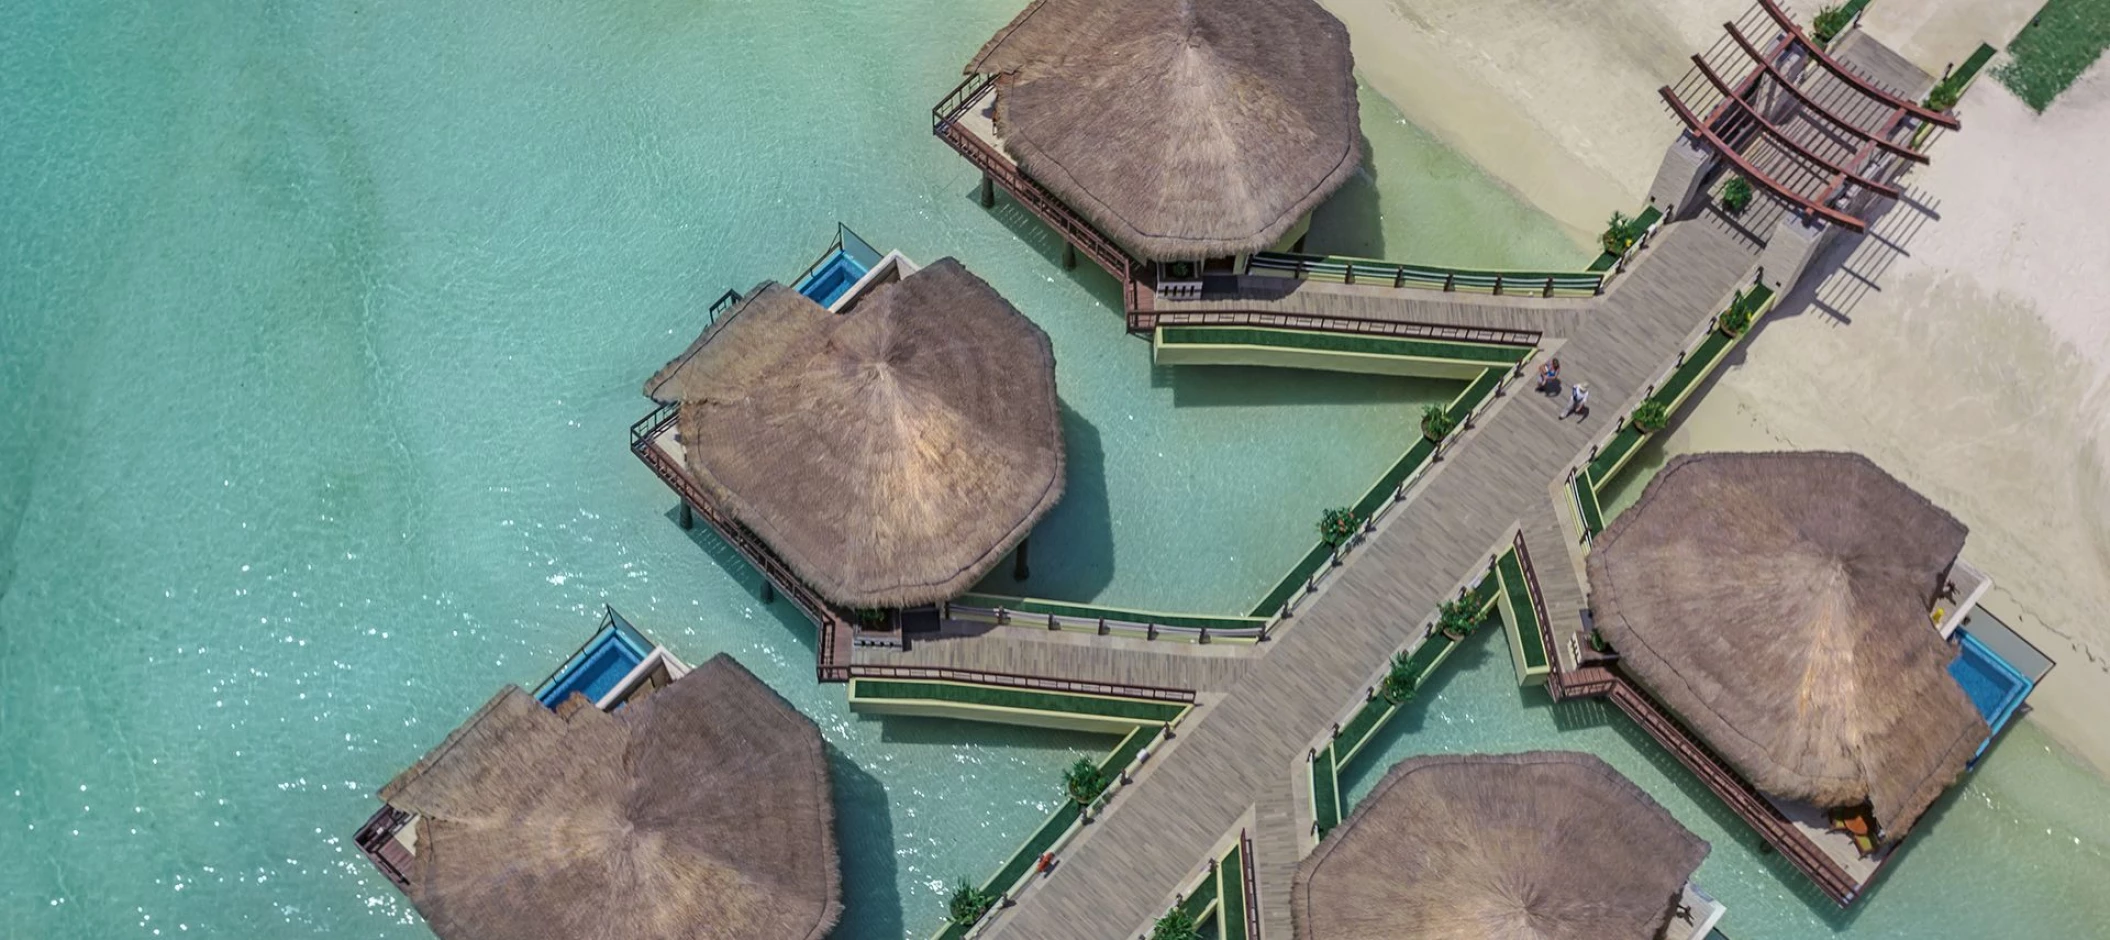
{"type": "Point", "coordinates": [1813, 132]}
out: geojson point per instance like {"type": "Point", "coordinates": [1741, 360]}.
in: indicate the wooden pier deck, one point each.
{"type": "Point", "coordinates": [1246, 751]}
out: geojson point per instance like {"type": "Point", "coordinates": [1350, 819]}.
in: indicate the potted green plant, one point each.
{"type": "Point", "coordinates": [1455, 618]}
{"type": "Point", "coordinates": [1437, 423]}
{"type": "Point", "coordinates": [1177, 924]}
{"type": "Point", "coordinates": [1651, 416]}
{"type": "Point", "coordinates": [968, 904]}
{"type": "Point", "coordinates": [1736, 195]}
{"type": "Point", "coordinates": [1829, 23]}
{"type": "Point", "coordinates": [1620, 234]}
{"type": "Point", "coordinates": [1737, 318]}
{"type": "Point", "coordinates": [1945, 94]}
{"type": "Point", "coordinates": [1084, 782]}
{"type": "Point", "coordinates": [1399, 682]}
{"type": "Point", "coordinates": [1337, 526]}
{"type": "Point", "coordinates": [1597, 643]}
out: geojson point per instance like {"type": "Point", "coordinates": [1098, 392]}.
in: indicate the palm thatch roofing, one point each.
{"type": "Point", "coordinates": [1778, 603]}
{"type": "Point", "coordinates": [1183, 129]}
{"type": "Point", "coordinates": [1548, 845]}
{"type": "Point", "coordinates": [891, 454]}
{"type": "Point", "coordinates": [701, 811]}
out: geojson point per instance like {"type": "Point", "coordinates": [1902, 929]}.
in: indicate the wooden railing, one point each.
{"type": "Point", "coordinates": [1398, 274]}
{"type": "Point", "coordinates": [1360, 327]}
{"type": "Point", "coordinates": [836, 631]}
{"type": "Point", "coordinates": [1252, 885]}
{"type": "Point", "coordinates": [376, 839]}
{"type": "Point", "coordinates": [1741, 798]}
{"type": "Point", "coordinates": [1538, 607]}
{"type": "Point", "coordinates": [946, 125]}
{"type": "Point", "coordinates": [1014, 680]}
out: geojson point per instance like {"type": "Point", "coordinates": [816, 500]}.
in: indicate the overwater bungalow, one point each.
{"type": "Point", "coordinates": [698, 808]}
{"type": "Point", "coordinates": [1553, 845]}
{"type": "Point", "coordinates": [1164, 138]}
{"type": "Point", "coordinates": [877, 455]}
{"type": "Point", "coordinates": [1796, 615]}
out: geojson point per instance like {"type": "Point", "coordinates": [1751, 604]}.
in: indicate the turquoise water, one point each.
{"type": "Point", "coordinates": [323, 326]}
{"type": "Point", "coordinates": [2019, 851]}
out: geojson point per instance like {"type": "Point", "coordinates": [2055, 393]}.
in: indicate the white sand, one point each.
{"type": "Point", "coordinates": [1973, 360]}
{"type": "Point", "coordinates": [1976, 367]}
{"type": "Point", "coordinates": [1556, 98]}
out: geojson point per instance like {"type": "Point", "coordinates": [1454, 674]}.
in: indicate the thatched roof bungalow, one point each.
{"type": "Point", "coordinates": [1547, 845]}
{"type": "Point", "coordinates": [1779, 605]}
{"type": "Point", "coordinates": [701, 810]}
{"type": "Point", "coordinates": [1182, 129]}
{"type": "Point", "coordinates": [890, 454]}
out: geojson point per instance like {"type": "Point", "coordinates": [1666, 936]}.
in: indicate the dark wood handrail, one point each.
{"type": "Point", "coordinates": [1538, 608]}
{"type": "Point", "coordinates": [1741, 798]}
{"type": "Point", "coordinates": [1329, 324]}
{"type": "Point", "coordinates": [1252, 885]}
{"type": "Point", "coordinates": [1015, 680]}
{"type": "Point", "coordinates": [835, 630]}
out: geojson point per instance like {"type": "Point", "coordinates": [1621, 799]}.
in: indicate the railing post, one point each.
{"type": "Point", "coordinates": [1450, 281]}
{"type": "Point", "coordinates": [1102, 626]}
{"type": "Point", "coordinates": [1549, 285]}
{"type": "Point", "coordinates": [1150, 631]}
{"type": "Point", "coordinates": [1498, 285]}
{"type": "Point", "coordinates": [1399, 276]}
{"type": "Point", "coordinates": [1052, 625]}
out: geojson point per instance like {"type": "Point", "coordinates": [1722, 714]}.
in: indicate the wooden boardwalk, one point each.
{"type": "Point", "coordinates": [1246, 751]}
{"type": "Point", "coordinates": [1022, 651]}
{"type": "Point", "coordinates": [1257, 294]}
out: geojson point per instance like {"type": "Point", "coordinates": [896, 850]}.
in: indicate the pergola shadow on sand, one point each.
{"type": "Point", "coordinates": [701, 809]}
{"type": "Point", "coordinates": [1768, 618]}
{"type": "Point", "coordinates": [1552, 845]}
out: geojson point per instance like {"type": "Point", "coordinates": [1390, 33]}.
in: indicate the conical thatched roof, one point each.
{"type": "Point", "coordinates": [1183, 129]}
{"type": "Point", "coordinates": [702, 811]}
{"type": "Point", "coordinates": [1549, 845]}
{"type": "Point", "coordinates": [1778, 603]}
{"type": "Point", "coordinates": [892, 454]}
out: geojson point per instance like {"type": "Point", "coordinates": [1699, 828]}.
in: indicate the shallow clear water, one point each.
{"type": "Point", "coordinates": [322, 329]}
{"type": "Point", "coordinates": [323, 326]}
{"type": "Point", "coordinates": [2018, 851]}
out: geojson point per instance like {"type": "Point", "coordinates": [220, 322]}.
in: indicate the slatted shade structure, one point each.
{"type": "Point", "coordinates": [1182, 129]}
{"type": "Point", "coordinates": [1799, 123]}
{"type": "Point", "coordinates": [702, 811]}
{"type": "Point", "coordinates": [1547, 845]}
{"type": "Point", "coordinates": [1778, 604]}
{"type": "Point", "coordinates": [890, 454]}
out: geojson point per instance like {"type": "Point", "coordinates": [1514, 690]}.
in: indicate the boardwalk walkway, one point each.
{"type": "Point", "coordinates": [1247, 750]}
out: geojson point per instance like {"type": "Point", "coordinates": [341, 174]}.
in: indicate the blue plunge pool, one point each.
{"type": "Point", "coordinates": [593, 671]}
{"type": "Point", "coordinates": [832, 278]}
{"type": "Point", "coordinates": [1996, 687]}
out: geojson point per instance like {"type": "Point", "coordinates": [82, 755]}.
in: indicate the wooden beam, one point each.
{"type": "Point", "coordinates": [1811, 103]}
{"type": "Point", "coordinates": [1692, 122]}
{"type": "Point", "coordinates": [1787, 24]}
{"type": "Point", "coordinates": [1781, 137]}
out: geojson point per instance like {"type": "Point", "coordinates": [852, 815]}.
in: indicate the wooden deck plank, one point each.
{"type": "Point", "coordinates": [1243, 752]}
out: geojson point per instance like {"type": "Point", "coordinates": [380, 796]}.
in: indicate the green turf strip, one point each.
{"type": "Point", "coordinates": [2064, 39]}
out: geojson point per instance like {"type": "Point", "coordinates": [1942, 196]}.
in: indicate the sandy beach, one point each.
{"type": "Point", "coordinates": [1962, 347]}
{"type": "Point", "coordinates": [1970, 357]}
{"type": "Point", "coordinates": [1556, 99]}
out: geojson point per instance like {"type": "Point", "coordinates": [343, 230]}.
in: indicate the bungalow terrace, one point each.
{"type": "Point", "coordinates": [693, 808]}
{"type": "Point", "coordinates": [1794, 617]}
{"type": "Point", "coordinates": [1166, 138]}
{"type": "Point", "coordinates": [870, 456]}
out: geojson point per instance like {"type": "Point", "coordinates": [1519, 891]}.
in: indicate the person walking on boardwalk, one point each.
{"type": "Point", "coordinates": [1550, 377]}
{"type": "Point", "coordinates": [1578, 402]}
